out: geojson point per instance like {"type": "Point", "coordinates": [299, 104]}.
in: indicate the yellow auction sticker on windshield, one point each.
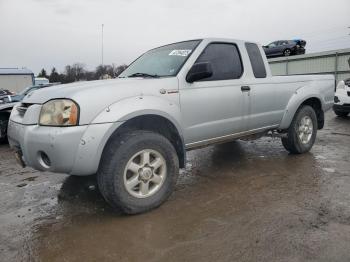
{"type": "Point", "coordinates": [183, 52]}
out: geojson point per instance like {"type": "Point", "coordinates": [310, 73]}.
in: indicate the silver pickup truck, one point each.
{"type": "Point", "coordinates": [134, 131]}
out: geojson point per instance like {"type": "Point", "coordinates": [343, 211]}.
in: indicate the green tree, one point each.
{"type": "Point", "coordinates": [54, 76]}
{"type": "Point", "coordinates": [43, 73]}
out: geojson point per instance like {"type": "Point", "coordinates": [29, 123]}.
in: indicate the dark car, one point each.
{"type": "Point", "coordinates": [7, 102]}
{"type": "Point", "coordinates": [4, 92]}
{"type": "Point", "coordinates": [285, 48]}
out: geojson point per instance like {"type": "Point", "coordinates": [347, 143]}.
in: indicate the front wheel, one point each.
{"type": "Point", "coordinates": [287, 52]}
{"type": "Point", "coordinates": [138, 171]}
{"type": "Point", "coordinates": [4, 117]}
{"type": "Point", "coordinates": [302, 132]}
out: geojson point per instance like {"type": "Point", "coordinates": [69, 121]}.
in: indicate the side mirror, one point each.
{"type": "Point", "coordinates": [199, 71]}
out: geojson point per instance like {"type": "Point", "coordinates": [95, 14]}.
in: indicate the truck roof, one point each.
{"type": "Point", "coordinates": [213, 39]}
{"type": "Point", "coordinates": [218, 39]}
{"type": "Point", "coordinates": [15, 71]}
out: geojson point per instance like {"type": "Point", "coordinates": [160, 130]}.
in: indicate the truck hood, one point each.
{"type": "Point", "coordinates": [71, 90]}
{"type": "Point", "coordinates": [94, 96]}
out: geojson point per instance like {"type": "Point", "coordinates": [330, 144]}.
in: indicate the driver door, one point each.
{"type": "Point", "coordinates": [215, 107]}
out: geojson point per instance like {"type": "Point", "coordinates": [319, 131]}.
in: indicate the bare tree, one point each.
{"type": "Point", "coordinates": [119, 69]}
{"type": "Point", "coordinates": [79, 71]}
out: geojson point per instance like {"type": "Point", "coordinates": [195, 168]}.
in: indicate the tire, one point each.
{"type": "Point", "coordinates": [340, 113]}
{"type": "Point", "coordinates": [3, 127]}
{"type": "Point", "coordinates": [300, 138]}
{"type": "Point", "coordinates": [287, 52]}
{"type": "Point", "coordinates": [120, 154]}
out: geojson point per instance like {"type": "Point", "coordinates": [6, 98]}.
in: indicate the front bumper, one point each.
{"type": "Point", "coordinates": [72, 150]}
{"type": "Point", "coordinates": [342, 100]}
{"type": "Point", "coordinates": [299, 51]}
{"type": "Point", "coordinates": [342, 108]}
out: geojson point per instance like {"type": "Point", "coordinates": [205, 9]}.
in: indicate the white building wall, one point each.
{"type": "Point", "coordinates": [15, 83]}
{"type": "Point", "coordinates": [331, 62]}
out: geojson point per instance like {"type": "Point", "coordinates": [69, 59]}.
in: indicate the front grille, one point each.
{"type": "Point", "coordinates": [22, 108]}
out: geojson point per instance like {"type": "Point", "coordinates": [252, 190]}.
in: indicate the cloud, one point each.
{"type": "Point", "coordinates": [47, 33]}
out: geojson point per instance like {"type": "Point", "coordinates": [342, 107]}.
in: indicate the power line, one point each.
{"type": "Point", "coordinates": [102, 46]}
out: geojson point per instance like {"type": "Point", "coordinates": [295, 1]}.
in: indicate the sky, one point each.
{"type": "Point", "coordinates": [53, 33]}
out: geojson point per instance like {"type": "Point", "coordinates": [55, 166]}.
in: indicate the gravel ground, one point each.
{"type": "Point", "coordinates": [241, 201]}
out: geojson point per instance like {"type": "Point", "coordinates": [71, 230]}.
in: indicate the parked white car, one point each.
{"type": "Point", "coordinates": [134, 131]}
{"type": "Point", "coordinates": [41, 81]}
{"type": "Point", "coordinates": [342, 98]}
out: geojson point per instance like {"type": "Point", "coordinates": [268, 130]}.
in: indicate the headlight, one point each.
{"type": "Point", "coordinates": [347, 82]}
{"type": "Point", "coordinates": [59, 112]}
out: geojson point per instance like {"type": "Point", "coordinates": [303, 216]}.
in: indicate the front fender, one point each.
{"type": "Point", "coordinates": [131, 107]}
{"type": "Point", "coordinates": [111, 118]}
{"type": "Point", "coordinates": [128, 108]}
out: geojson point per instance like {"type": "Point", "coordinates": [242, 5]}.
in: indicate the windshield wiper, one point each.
{"type": "Point", "coordinates": [143, 75]}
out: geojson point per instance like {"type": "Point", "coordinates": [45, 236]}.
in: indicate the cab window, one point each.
{"type": "Point", "coordinates": [224, 59]}
{"type": "Point", "coordinates": [256, 60]}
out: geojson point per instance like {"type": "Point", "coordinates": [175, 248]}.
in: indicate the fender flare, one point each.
{"type": "Point", "coordinates": [297, 99]}
{"type": "Point", "coordinates": [129, 108]}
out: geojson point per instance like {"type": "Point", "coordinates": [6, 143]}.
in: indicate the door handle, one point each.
{"type": "Point", "coordinates": [245, 88]}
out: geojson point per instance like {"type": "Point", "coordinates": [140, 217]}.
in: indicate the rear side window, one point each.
{"type": "Point", "coordinates": [256, 60]}
{"type": "Point", "coordinates": [225, 61]}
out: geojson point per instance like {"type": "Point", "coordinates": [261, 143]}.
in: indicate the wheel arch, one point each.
{"type": "Point", "coordinates": [155, 122]}
{"type": "Point", "coordinates": [4, 118]}
{"type": "Point", "coordinates": [316, 104]}
{"type": "Point", "coordinates": [312, 100]}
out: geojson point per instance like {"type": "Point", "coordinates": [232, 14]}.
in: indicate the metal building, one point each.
{"type": "Point", "coordinates": [16, 79]}
{"type": "Point", "coordinates": [334, 62]}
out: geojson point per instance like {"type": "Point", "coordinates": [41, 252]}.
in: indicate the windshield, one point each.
{"type": "Point", "coordinates": [26, 90]}
{"type": "Point", "coordinates": [162, 61]}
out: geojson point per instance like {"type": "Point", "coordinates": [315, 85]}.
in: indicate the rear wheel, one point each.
{"type": "Point", "coordinates": [138, 171]}
{"type": "Point", "coordinates": [302, 132]}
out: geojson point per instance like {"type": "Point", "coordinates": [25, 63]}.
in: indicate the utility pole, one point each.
{"type": "Point", "coordinates": [102, 46]}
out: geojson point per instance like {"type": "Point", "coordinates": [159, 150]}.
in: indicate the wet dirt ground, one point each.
{"type": "Point", "coordinates": [242, 201]}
